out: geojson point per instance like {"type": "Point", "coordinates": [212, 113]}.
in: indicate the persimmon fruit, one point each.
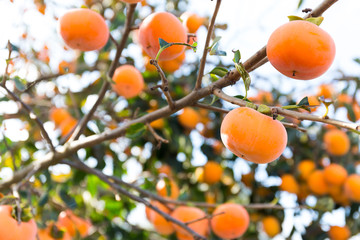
{"type": "Point", "coordinates": [212, 172]}
{"type": "Point", "coordinates": [168, 188]}
{"type": "Point", "coordinates": [83, 29]}
{"type": "Point", "coordinates": [166, 26]}
{"type": "Point", "coordinates": [253, 136]}
{"type": "Point", "coordinates": [161, 225]}
{"type": "Point", "coordinates": [335, 174]}
{"type": "Point", "coordinates": [352, 187]}
{"type": "Point", "coordinates": [189, 118]}
{"type": "Point", "coordinates": [317, 184]}
{"type": "Point", "coordinates": [305, 168]}
{"type": "Point", "coordinates": [128, 81]}
{"type": "Point", "coordinates": [131, 1]}
{"type": "Point", "coordinates": [271, 226]}
{"type": "Point", "coordinates": [192, 21]}
{"type": "Point", "coordinates": [187, 214]}
{"type": "Point", "coordinates": [230, 221]}
{"type": "Point", "coordinates": [11, 230]}
{"type": "Point", "coordinates": [339, 233]}
{"type": "Point", "coordinates": [336, 142]}
{"type": "Point", "coordinates": [73, 224]}
{"type": "Point", "coordinates": [301, 50]}
{"type": "Point", "coordinates": [289, 184]}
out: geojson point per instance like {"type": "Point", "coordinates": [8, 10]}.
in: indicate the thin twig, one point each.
{"type": "Point", "coordinates": [206, 47]}
{"type": "Point", "coordinates": [157, 137]}
{"type": "Point", "coordinates": [212, 108]}
{"type": "Point", "coordinates": [40, 79]}
{"type": "Point", "coordinates": [16, 194]}
{"type": "Point", "coordinates": [164, 84]}
{"type": "Point", "coordinates": [32, 116]}
{"type": "Point", "coordinates": [292, 114]}
{"type": "Point", "coordinates": [4, 78]}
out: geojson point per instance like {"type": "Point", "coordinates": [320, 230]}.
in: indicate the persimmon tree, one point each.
{"type": "Point", "coordinates": [131, 138]}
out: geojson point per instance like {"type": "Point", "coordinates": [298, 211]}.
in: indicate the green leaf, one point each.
{"type": "Point", "coordinates": [14, 48]}
{"type": "Point", "coordinates": [162, 43]}
{"type": "Point", "coordinates": [219, 71]}
{"type": "Point", "coordinates": [213, 77]}
{"type": "Point", "coordinates": [68, 200]}
{"type": "Point", "coordinates": [293, 18]}
{"type": "Point", "coordinates": [251, 105]}
{"type": "Point", "coordinates": [237, 56]}
{"type": "Point", "coordinates": [135, 130]}
{"type": "Point", "coordinates": [315, 20]}
{"type": "Point", "coordinates": [357, 60]}
{"type": "Point", "coordinates": [304, 102]}
{"type": "Point", "coordinates": [280, 118]}
{"type": "Point", "coordinates": [215, 41]}
{"type": "Point", "coordinates": [242, 97]}
{"type": "Point", "coordinates": [264, 109]}
{"type": "Point", "coordinates": [214, 99]}
{"type": "Point", "coordinates": [244, 75]}
{"type": "Point", "coordinates": [43, 199]}
{"type": "Point", "coordinates": [19, 83]}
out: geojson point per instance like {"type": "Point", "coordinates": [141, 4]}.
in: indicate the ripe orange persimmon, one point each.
{"type": "Point", "coordinates": [212, 172]}
{"type": "Point", "coordinates": [339, 233]}
{"type": "Point", "coordinates": [165, 26]}
{"type": "Point", "coordinates": [192, 21]}
{"type": "Point", "coordinates": [172, 191]}
{"type": "Point", "coordinates": [335, 174]}
{"type": "Point", "coordinates": [325, 90]}
{"type": "Point", "coordinates": [83, 29]}
{"type": "Point", "coordinates": [336, 142]}
{"type": "Point", "coordinates": [73, 224]}
{"type": "Point", "coordinates": [165, 169]}
{"type": "Point", "coordinates": [58, 115]}
{"type": "Point", "coordinates": [128, 81]}
{"type": "Point", "coordinates": [253, 136]}
{"type": "Point", "coordinates": [352, 187]}
{"type": "Point", "coordinates": [338, 195]}
{"type": "Point", "coordinates": [317, 183]}
{"type": "Point", "coordinates": [230, 221]}
{"type": "Point", "coordinates": [271, 226]}
{"type": "Point", "coordinates": [343, 99]}
{"type": "Point", "coordinates": [67, 125]}
{"type": "Point", "coordinates": [11, 230]}
{"type": "Point", "coordinates": [161, 225]}
{"type": "Point", "coordinates": [301, 50]}
{"type": "Point", "coordinates": [188, 214]}
{"type": "Point", "coordinates": [66, 67]}
{"type": "Point", "coordinates": [189, 118]}
{"type": "Point", "coordinates": [289, 184]}
{"type": "Point", "coordinates": [305, 168]}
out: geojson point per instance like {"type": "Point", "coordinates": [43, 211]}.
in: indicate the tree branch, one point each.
{"type": "Point", "coordinates": [206, 47]}
{"type": "Point", "coordinates": [292, 114]}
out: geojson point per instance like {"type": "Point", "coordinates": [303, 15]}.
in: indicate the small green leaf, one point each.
{"type": "Point", "coordinates": [315, 20]}
{"type": "Point", "coordinates": [218, 53]}
{"type": "Point", "coordinates": [19, 83]}
{"type": "Point", "coordinates": [215, 41]}
{"type": "Point", "coordinates": [357, 60]}
{"type": "Point", "coordinates": [214, 99]}
{"type": "Point", "coordinates": [68, 200]}
{"type": "Point", "coordinates": [135, 130]}
{"type": "Point", "coordinates": [14, 48]}
{"type": "Point", "coordinates": [293, 18]}
{"type": "Point", "coordinates": [264, 109]}
{"type": "Point", "coordinates": [213, 77]}
{"type": "Point", "coordinates": [251, 105]}
{"type": "Point", "coordinates": [219, 71]}
{"type": "Point", "coordinates": [242, 97]}
{"type": "Point", "coordinates": [237, 56]}
{"type": "Point", "coordinates": [162, 43]}
{"type": "Point", "coordinates": [280, 118]}
{"type": "Point", "coordinates": [244, 75]}
{"type": "Point", "coordinates": [304, 102]}
{"type": "Point", "coordinates": [43, 199]}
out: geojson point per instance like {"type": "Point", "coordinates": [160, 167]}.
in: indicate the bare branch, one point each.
{"type": "Point", "coordinates": [40, 79]}
{"type": "Point", "coordinates": [292, 114]}
{"type": "Point", "coordinates": [32, 116]}
{"type": "Point", "coordinates": [164, 84]}
{"type": "Point", "coordinates": [206, 47]}
{"type": "Point", "coordinates": [157, 137]}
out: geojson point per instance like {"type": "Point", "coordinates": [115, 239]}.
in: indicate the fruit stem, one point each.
{"type": "Point", "coordinates": [169, 45]}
